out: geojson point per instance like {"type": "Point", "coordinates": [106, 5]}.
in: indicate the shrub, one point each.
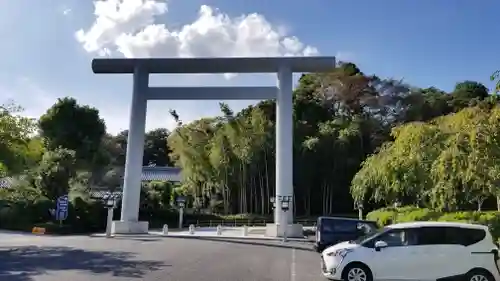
{"type": "Point", "coordinates": [386, 216]}
{"type": "Point", "coordinates": [383, 217]}
{"type": "Point", "coordinates": [419, 215]}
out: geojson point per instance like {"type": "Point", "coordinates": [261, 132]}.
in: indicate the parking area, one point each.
{"type": "Point", "coordinates": [44, 258]}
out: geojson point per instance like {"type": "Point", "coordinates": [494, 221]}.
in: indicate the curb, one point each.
{"type": "Point", "coordinates": [236, 238]}
{"type": "Point", "coordinates": [200, 237]}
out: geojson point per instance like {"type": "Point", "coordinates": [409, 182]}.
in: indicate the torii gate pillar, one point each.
{"type": "Point", "coordinates": [141, 68]}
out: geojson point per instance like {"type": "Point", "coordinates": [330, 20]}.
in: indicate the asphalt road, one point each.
{"type": "Point", "coordinates": [44, 258]}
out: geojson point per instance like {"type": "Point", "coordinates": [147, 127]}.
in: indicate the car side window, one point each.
{"type": "Point", "coordinates": [398, 237]}
{"type": "Point", "coordinates": [434, 235]}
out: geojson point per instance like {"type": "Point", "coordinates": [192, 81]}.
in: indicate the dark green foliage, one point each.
{"type": "Point", "coordinates": [55, 171]}
{"type": "Point", "coordinates": [69, 125]}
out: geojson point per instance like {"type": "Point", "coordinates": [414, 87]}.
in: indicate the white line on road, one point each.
{"type": "Point", "coordinates": [292, 267]}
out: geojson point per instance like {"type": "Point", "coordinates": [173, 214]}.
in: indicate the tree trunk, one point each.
{"type": "Point", "coordinates": [308, 202]}
{"type": "Point", "coordinates": [262, 194]}
{"type": "Point", "coordinates": [480, 202]}
{"type": "Point", "coordinates": [327, 211]}
{"type": "Point", "coordinates": [267, 182]}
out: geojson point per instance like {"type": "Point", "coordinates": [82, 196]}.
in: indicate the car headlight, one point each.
{"type": "Point", "coordinates": [339, 253]}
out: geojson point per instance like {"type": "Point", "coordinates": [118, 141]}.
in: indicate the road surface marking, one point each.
{"type": "Point", "coordinates": [292, 268]}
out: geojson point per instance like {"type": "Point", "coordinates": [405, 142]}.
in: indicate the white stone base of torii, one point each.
{"type": "Point", "coordinates": [141, 68]}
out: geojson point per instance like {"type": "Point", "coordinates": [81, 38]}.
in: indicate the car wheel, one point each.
{"type": "Point", "coordinates": [479, 275]}
{"type": "Point", "coordinates": [357, 272]}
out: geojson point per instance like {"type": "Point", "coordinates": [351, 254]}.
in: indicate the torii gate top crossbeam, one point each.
{"type": "Point", "coordinates": [214, 65]}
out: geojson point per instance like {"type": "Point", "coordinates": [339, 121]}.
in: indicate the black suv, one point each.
{"type": "Point", "coordinates": [333, 230]}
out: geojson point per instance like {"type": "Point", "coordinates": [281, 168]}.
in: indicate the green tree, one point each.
{"type": "Point", "coordinates": [468, 93]}
{"type": "Point", "coordinates": [17, 150]}
{"type": "Point", "coordinates": [426, 104]}
{"type": "Point", "coordinates": [447, 163]}
{"type": "Point", "coordinates": [69, 125]}
{"type": "Point", "coordinates": [55, 172]}
{"type": "Point", "coordinates": [156, 150]}
{"type": "Point", "coordinates": [398, 172]}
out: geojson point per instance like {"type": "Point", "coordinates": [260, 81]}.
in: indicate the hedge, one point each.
{"type": "Point", "coordinates": [386, 216]}
{"type": "Point", "coordinates": [88, 216]}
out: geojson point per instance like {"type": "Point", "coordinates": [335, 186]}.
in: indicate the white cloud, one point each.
{"type": "Point", "coordinates": [129, 28]}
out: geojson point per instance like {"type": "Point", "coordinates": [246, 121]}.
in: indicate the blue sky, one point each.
{"type": "Point", "coordinates": [425, 42]}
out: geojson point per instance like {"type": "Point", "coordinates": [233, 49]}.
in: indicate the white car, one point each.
{"type": "Point", "coordinates": [416, 251]}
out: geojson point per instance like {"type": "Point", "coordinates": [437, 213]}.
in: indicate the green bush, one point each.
{"type": "Point", "coordinates": [386, 216]}
{"type": "Point", "coordinates": [383, 217]}
{"type": "Point", "coordinates": [419, 215]}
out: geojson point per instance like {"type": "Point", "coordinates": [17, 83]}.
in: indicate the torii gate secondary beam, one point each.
{"type": "Point", "coordinates": [211, 93]}
{"type": "Point", "coordinates": [141, 68]}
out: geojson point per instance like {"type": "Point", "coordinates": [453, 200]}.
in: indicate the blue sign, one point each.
{"type": "Point", "coordinates": [61, 212]}
{"type": "Point", "coordinates": [61, 215]}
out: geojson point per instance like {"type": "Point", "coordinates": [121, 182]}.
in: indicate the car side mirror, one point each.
{"type": "Point", "coordinates": [380, 245]}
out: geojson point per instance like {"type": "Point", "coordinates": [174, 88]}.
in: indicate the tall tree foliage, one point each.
{"type": "Point", "coordinates": [72, 126]}
{"type": "Point", "coordinates": [55, 172]}
{"type": "Point", "coordinates": [18, 150]}
{"type": "Point", "coordinates": [447, 163]}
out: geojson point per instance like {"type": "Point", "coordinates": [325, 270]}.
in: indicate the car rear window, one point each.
{"type": "Point", "coordinates": [466, 236]}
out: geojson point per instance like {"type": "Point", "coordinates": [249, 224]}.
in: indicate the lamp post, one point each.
{"type": "Point", "coordinates": [181, 202]}
{"type": "Point", "coordinates": [273, 201]}
{"type": "Point", "coordinates": [110, 204]}
{"type": "Point", "coordinates": [109, 199]}
{"type": "Point", "coordinates": [360, 210]}
{"type": "Point", "coordinates": [284, 202]}
{"type": "Point", "coordinates": [397, 204]}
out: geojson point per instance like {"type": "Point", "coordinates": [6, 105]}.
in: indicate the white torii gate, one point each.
{"type": "Point", "coordinates": [141, 68]}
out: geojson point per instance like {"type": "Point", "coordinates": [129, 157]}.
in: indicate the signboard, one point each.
{"type": "Point", "coordinates": [61, 212]}
{"type": "Point", "coordinates": [61, 215]}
